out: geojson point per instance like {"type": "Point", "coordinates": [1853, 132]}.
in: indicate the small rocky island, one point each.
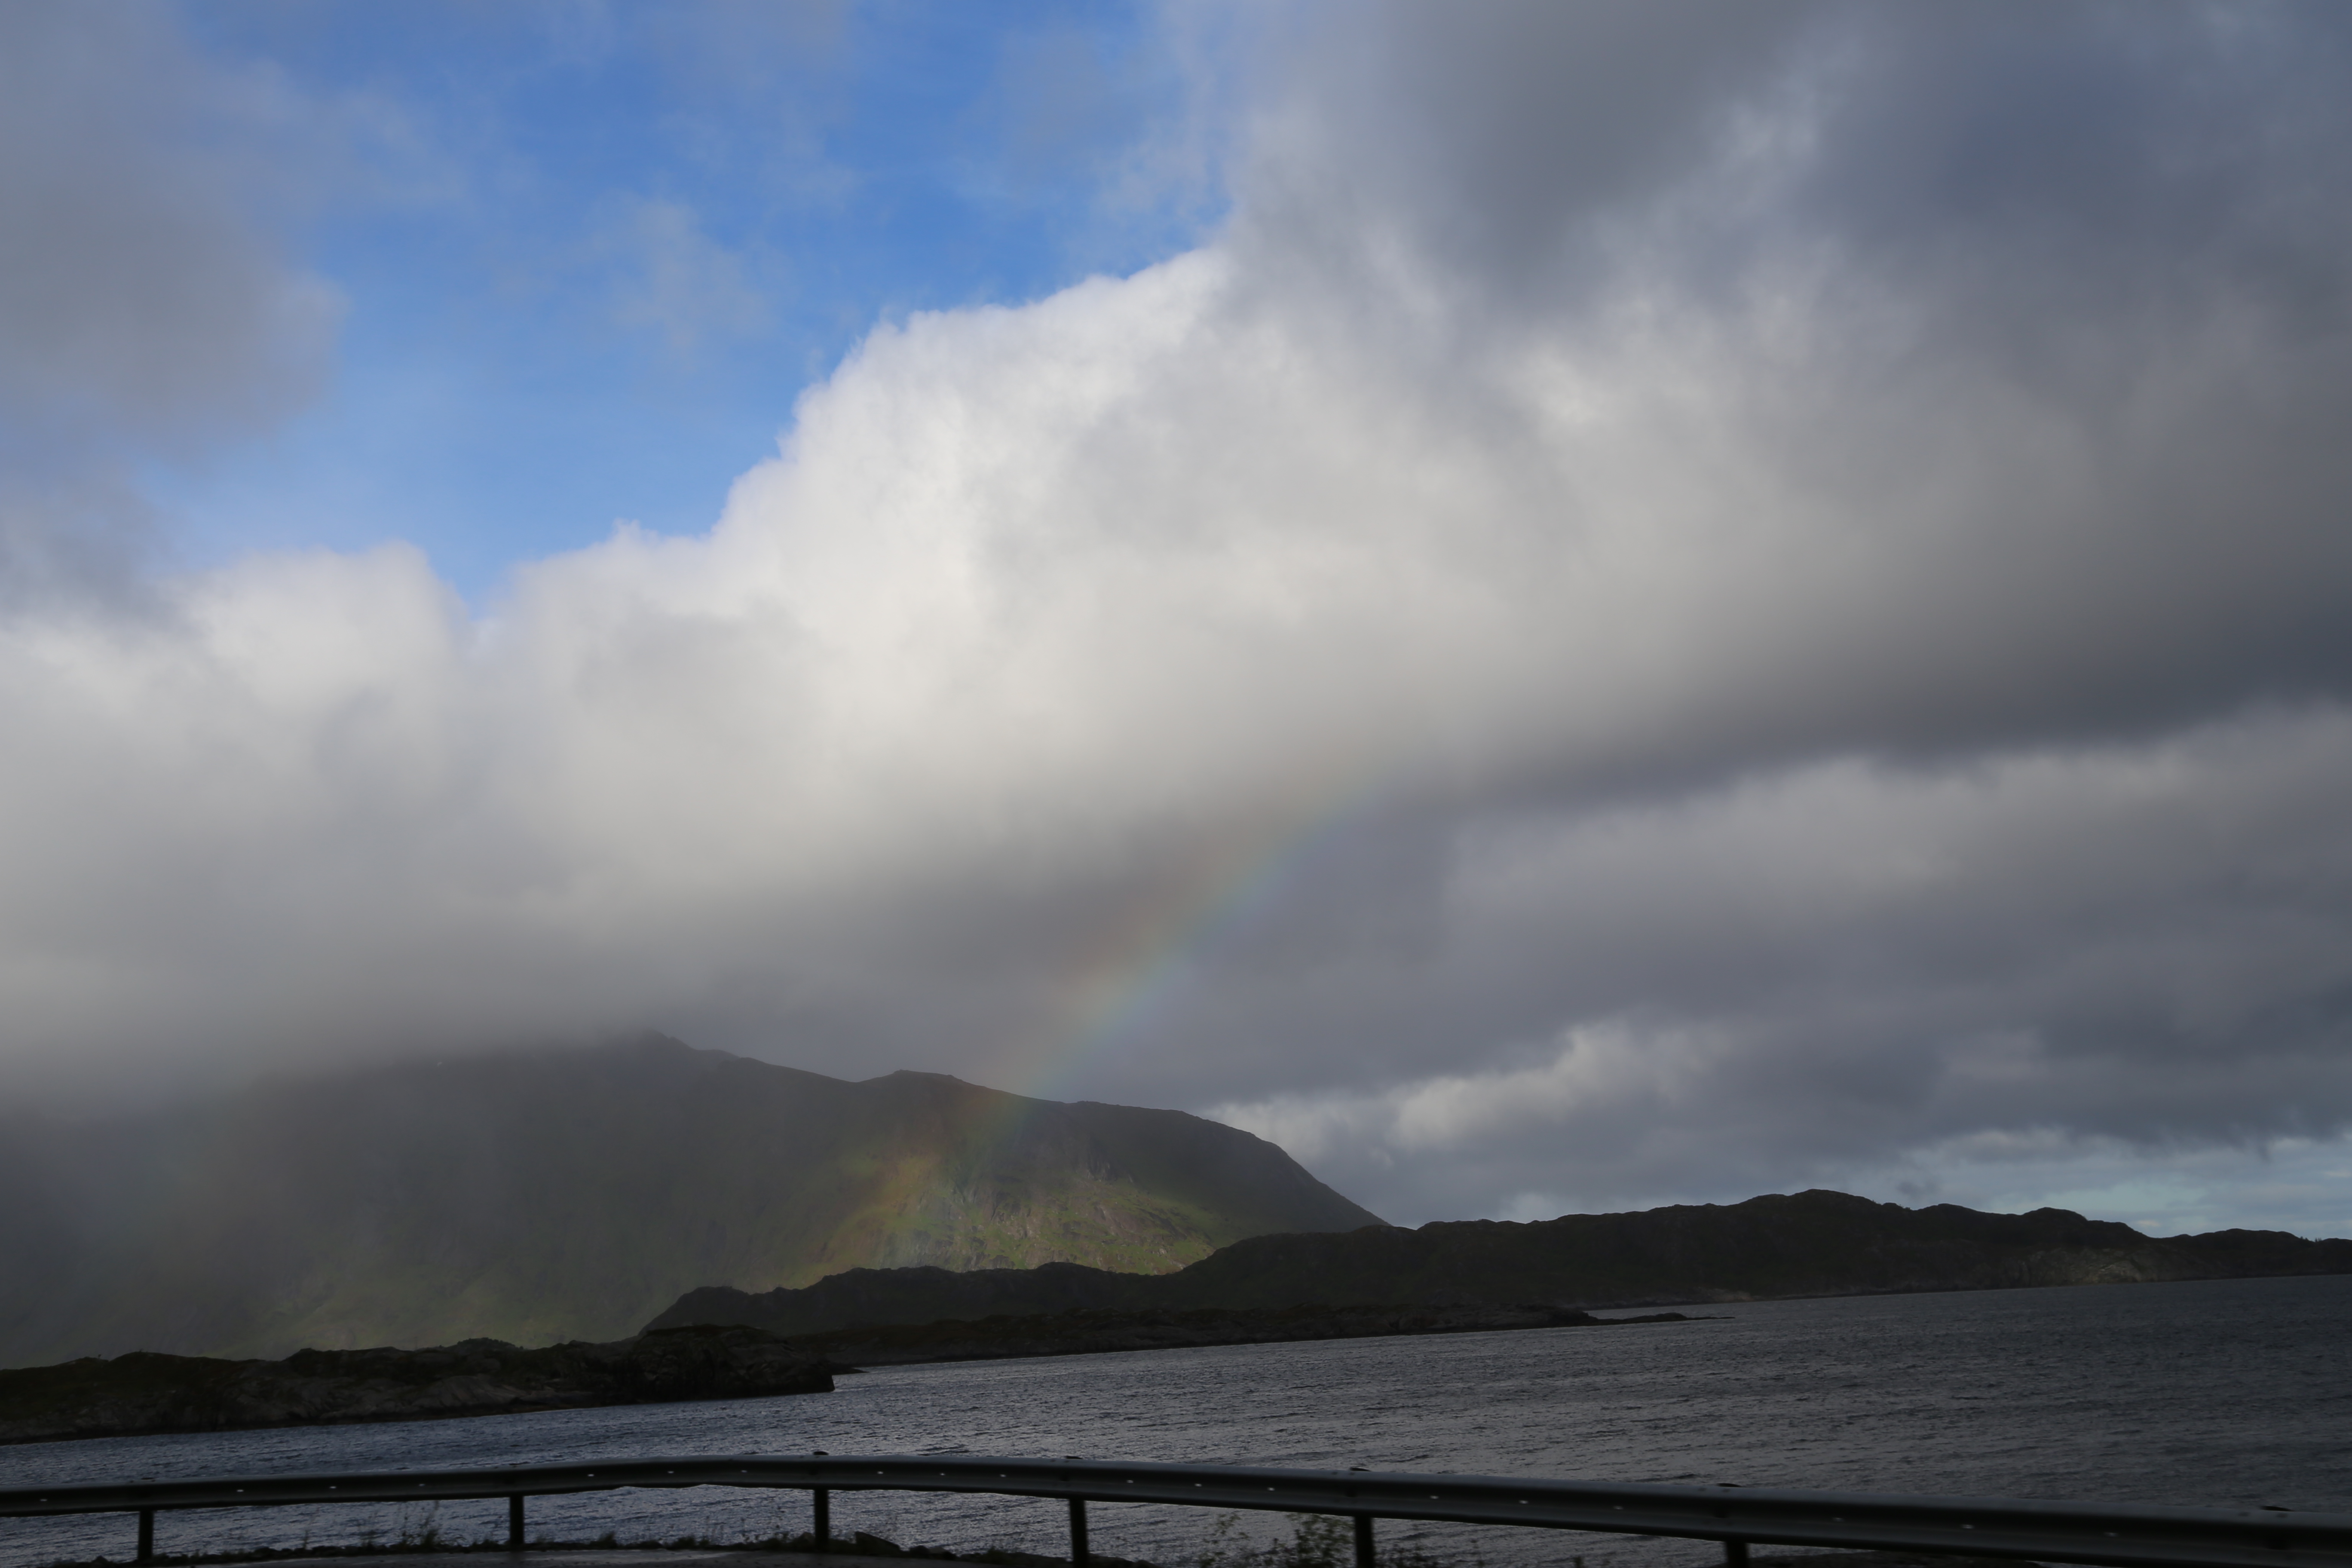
{"type": "Point", "coordinates": [145, 1392]}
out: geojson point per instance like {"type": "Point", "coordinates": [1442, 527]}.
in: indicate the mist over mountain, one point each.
{"type": "Point", "coordinates": [572, 1193]}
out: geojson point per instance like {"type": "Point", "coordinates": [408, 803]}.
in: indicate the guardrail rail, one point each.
{"type": "Point", "coordinates": [1739, 1517]}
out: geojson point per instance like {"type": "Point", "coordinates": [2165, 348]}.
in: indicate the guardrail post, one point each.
{"type": "Point", "coordinates": [1735, 1554]}
{"type": "Point", "coordinates": [1363, 1541]}
{"type": "Point", "coordinates": [146, 1535]}
{"type": "Point", "coordinates": [514, 1522]}
{"type": "Point", "coordinates": [821, 1523]}
{"type": "Point", "coordinates": [1078, 1532]}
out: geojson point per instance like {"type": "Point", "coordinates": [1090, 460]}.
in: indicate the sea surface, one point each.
{"type": "Point", "coordinates": [2228, 1394]}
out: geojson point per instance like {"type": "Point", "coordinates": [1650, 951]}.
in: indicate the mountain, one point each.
{"type": "Point", "coordinates": [1810, 1243]}
{"type": "Point", "coordinates": [538, 1196]}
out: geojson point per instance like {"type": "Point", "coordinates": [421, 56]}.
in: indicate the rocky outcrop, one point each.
{"type": "Point", "coordinates": [145, 1392]}
{"type": "Point", "coordinates": [1809, 1244]}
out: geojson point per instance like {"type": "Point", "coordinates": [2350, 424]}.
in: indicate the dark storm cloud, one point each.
{"type": "Point", "coordinates": [2063, 275]}
{"type": "Point", "coordinates": [1794, 980]}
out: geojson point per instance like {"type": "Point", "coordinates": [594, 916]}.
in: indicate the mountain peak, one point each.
{"type": "Point", "coordinates": [546, 1195]}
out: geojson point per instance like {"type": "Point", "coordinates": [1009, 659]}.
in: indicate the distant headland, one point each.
{"type": "Point", "coordinates": [1808, 1243]}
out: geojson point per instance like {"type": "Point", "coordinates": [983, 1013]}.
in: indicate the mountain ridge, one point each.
{"type": "Point", "coordinates": [568, 1193]}
{"type": "Point", "coordinates": [1815, 1243]}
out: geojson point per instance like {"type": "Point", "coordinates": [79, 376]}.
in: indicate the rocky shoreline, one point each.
{"type": "Point", "coordinates": [144, 1392]}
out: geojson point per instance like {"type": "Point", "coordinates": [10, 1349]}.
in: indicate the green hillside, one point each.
{"type": "Point", "coordinates": [541, 1196]}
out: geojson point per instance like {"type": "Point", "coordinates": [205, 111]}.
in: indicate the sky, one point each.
{"type": "Point", "coordinates": [1558, 607]}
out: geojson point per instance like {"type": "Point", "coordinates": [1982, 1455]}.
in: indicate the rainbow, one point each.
{"type": "Point", "coordinates": [1135, 966]}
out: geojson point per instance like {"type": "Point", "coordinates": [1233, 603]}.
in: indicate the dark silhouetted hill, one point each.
{"type": "Point", "coordinates": [1811, 1244]}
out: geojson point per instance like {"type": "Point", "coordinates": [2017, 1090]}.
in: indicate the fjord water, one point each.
{"type": "Point", "coordinates": [2224, 1393]}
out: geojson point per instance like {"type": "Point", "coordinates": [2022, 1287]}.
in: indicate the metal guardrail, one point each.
{"type": "Point", "coordinates": [2119, 1537]}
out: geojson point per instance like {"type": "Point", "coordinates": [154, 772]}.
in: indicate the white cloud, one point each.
{"type": "Point", "coordinates": [1608, 1069]}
